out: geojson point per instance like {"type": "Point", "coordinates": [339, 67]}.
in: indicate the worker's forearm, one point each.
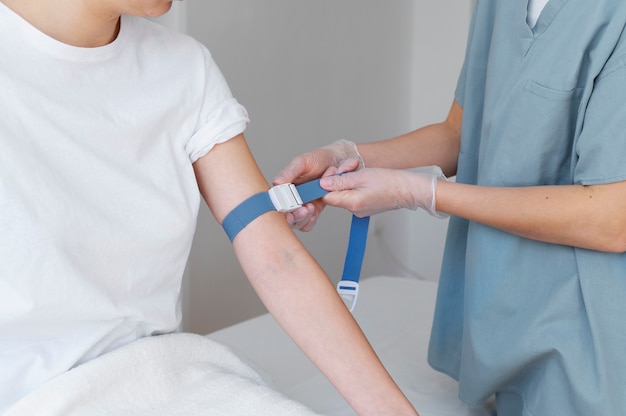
{"type": "Point", "coordinates": [435, 144]}
{"type": "Point", "coordinates": [589, 217]}
{"type": "Point", "coordinates": [430, 145]}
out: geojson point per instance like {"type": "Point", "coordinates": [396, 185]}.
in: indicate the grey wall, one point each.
{"type": "Point", "coordinates": [311, 72]}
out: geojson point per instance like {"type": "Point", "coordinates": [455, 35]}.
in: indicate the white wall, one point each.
{"type": "Point", "coordinates": [415, 240]}
{"type": "Point", "coordinates": [311, 72]}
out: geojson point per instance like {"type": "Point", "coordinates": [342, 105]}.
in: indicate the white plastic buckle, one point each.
{"type": "Point", "coordinates": [349, 292]}
{"type": "Point", "coordinates": [285, 197]}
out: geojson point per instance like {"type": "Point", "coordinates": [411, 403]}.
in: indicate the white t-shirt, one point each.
{"type": "Point", "coordinates": [98, 198]}
{"type": "Point", "coordinates": [535, 7]}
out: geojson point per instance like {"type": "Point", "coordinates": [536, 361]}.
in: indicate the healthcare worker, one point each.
{"type": "Point", "coordinates": [531, 305]}
{"type": "Point", "coordinates": [111, 127]}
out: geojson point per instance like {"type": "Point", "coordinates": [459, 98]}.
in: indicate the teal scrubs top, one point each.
{"type": "Point", "coordinates": [542, 326]}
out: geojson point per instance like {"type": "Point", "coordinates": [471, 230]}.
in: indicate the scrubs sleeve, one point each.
{"type": "Point", "coordinates": [220, 115]}
{"type": "Point", "coordinates": [601, 147]}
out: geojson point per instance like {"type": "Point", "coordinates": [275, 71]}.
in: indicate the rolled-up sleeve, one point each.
{"type": "Point", "coordinates": [220, 117]}
{"type": "Point", "coordinates": [601, 147]}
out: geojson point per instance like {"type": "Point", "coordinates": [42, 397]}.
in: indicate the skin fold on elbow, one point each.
{"type": "Point", "coordinates": [607, 219]}
{"type": "Point", "coordinates": [615, 241]}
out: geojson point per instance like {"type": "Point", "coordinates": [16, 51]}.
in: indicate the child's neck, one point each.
{"type": "Point", "coordinates": [68, 21]}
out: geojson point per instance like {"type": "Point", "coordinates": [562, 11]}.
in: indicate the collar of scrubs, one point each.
{"type": "Point", "coordinates": [289, 197]}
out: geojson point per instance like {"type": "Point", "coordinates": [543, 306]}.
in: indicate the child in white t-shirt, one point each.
{"type": "Point", "coordinates": [109, 125]}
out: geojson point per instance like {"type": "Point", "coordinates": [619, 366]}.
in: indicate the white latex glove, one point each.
{"type": "Point", "coordinates": [340, 156]}
{"type": "Point", "coordinates": [371, 191]}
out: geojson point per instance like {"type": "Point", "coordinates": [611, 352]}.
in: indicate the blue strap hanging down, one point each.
{"type": "Point", "coordinates": [286, 198]}
{"type": "Point", "coordinates": [348, 287]}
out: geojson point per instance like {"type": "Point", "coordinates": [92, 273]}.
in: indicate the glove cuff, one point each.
{"type": "Point", "coordinates": [435, 174]}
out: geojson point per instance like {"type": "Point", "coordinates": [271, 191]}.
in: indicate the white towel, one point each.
{"type": "Point", "coordinates": [176, 374]}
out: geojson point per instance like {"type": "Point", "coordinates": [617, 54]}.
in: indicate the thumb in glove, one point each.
{"type": "Point", "coordinates": [374, 190]}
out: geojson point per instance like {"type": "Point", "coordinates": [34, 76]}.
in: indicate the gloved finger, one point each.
{"type": "Point", "coordinates": [301, 216]}
{"type": "Point", "coordinates": [308, 224]}
{"type": "Point", "coordinates": [330, 171]}
{"type": "Point", "coordinates": [305, 217]}
{"type": "Point", "coordinates": [303, 168]}
{"type": "Point", "coordinates": [354, 200]}
{"type": "Point", "coordinates": [348, 165]}
{"type": "Point", "coordinates": [293, 170]}
{"type": "Point", "coordinates": [364, 192]}
{"type": "Point", "coordinates": [290, 219]}
{"type": "Point", "coordinates": [342, 191]}
{"type": "Point", "coordinates": [347, 181]}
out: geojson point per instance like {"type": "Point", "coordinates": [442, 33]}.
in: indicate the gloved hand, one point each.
{"type": "Point", "coordinates": [371, 191]}
{"type": "Point", "coordinates": [340, 156]}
